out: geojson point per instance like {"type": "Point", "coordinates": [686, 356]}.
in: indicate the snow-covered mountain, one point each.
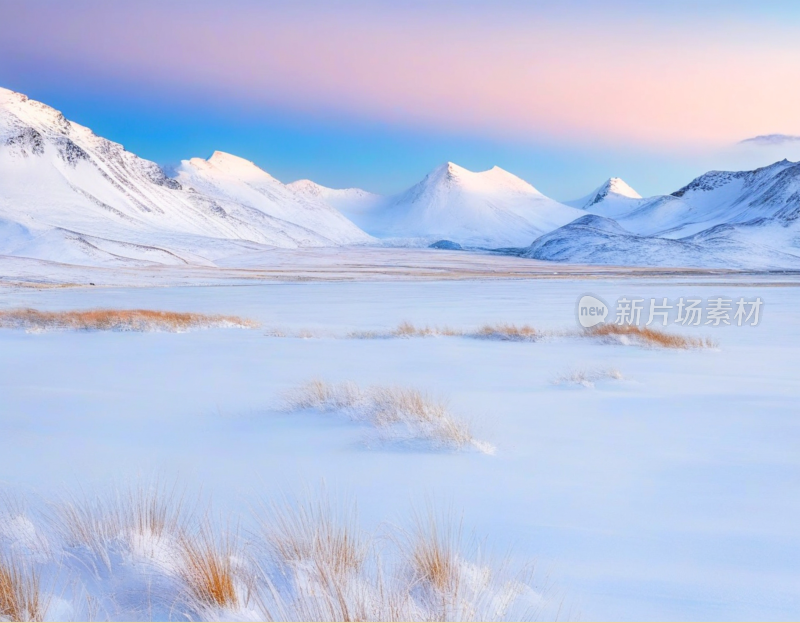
{"type": "Point", "coordinates": [69, 195]}
{"type": "Point", "coordinates": [352, 202]}
{"type": "Point", "coordinates": [733, 219]}
{"type": "Point", "coordinates": [491, 209]}
{"type": "Point", "coordinates": [611, 198]}
{"type": "Point", "coordinates": [720, 197]}
{"type": "Point", "coordinates": [241, 188]}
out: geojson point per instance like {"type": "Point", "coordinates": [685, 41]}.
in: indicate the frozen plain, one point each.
{"type": "Point", "coordinates": [672, 494]}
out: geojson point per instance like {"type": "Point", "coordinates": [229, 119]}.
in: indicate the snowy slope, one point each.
{"type": "Point", "coordinates": [612, 198]}
{"type": "Point", "coordinates": [492, 208]}
{"type": "Point", "coordinates": [730, 219]}
{"type": "Point", "coordinates": [352, 202]}
{"type": "Point", "coordinates": [88, 200]}
{"type": "Point", "coordinates": [720, 197]}
{"type": "Point", "coordinates": [240, 188]}
{"type": "Point", "coordinates": [595, 239]}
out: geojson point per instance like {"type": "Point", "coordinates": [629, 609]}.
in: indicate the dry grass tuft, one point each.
{"type": "Point", "coordinates": [21, 596]}
{"type": "Point", "coordinates": [116, 320]}
{"type": "Point", "coordinates": [207, 567]}
{"type": "Point", "coordinates": [647, 337]}
{"type": "Point", "coordinates": [315, 531]}
{"type": "Point", "coordinates": [333, 570]}
{"type": "Point", "coordinates": [587, 378]}
{"type": "Point", "coordinates": [502, 331]}
{"type": "Point", "coordinates": [138, 517]}
{"type": "Point", "coordinates": [509, 332]}
{"type": "Point", "coordinates": [396, 411]}
{"type": "Point", "coordinates": [406, 329]}
{"type": "Point", "coordinates": [433, 552]}
{"type": "Point", "coordinates": [308, 561]}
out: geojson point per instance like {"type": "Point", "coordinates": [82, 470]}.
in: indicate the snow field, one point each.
{"type": "Point", "coordinates": [669, 494]}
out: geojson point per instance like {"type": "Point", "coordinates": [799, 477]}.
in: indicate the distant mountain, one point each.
{"type": "Point", "coordinates": [613, 197]}
{"type": "Point", "coordinates": [241, 188]}
{"type": "Point", "coordinates": [68, 195]}
{"type": "Point", "coordinates": [594, 239]}
{"type": "Point", "coordinates": [71, 196]}
{"type": "Point", "coordinates": [491, 209]}
{"type": "Point", "coordinates": [733, 219]}
{"type": "Point", "coordinates": [352, 202]}
{"type": "Point", "coordinates": [717, 198]}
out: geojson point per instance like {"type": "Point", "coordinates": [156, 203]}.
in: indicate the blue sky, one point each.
{"type": "Point", "coordinates": [363, 94]}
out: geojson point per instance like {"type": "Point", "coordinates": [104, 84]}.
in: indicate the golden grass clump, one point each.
{"type": "Point", "coordinates": [207, 567]}
{"type": "Point", "coordinates": [509, 332]}
{"type": "Point", "coordinates": [318, 394]}
{"type": "Point", "coordinates": [116, 320]}
{"type": "Point", "coordinates": [648, 337]}
{"type": "Point", "coordinates": [138, 517]}
{"type": "Point", "coordinates": [21, 596]}
{"type": "Point", "coordinates": [314, 531]}
{"type": "Point", "coordinates": [307, 560]}
{"type": "Point", "coordinates": [433, 552]}
{"type": "Point", "coordinates": [407, 329]}
{"type": "Point", "coordinates": [394, 410]}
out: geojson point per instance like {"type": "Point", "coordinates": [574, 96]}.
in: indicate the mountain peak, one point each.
{"type": "Point", "coordinates": [618, 186]}
{"type": "Point", "coordinates": [31, 113]}
{"type": "Point", "coordinates": [222, 158]}
{"type": "Point", "coordinates": [451, 174]}
{"type": "Point", "coordinates": [228, 164]}
{"type": "Point", "coordinates": [612, 188]}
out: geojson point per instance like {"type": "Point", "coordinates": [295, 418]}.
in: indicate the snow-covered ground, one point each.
{"type": "Point", "coordinates": [673, 493]}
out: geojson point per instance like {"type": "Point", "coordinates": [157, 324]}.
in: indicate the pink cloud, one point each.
{"type": "Point", "coordinates": [616, 82]}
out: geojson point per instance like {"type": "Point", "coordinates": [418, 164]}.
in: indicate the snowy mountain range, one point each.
{"type": "Point", "coordinates": [741, 219]}
{"type": "Point", "coordinates": [70, 196]}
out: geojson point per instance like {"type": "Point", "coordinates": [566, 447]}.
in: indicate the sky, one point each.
{"type": "Point", "coordinates": [376, 94]}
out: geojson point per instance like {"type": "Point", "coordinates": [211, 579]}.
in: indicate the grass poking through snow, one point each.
{"type": "Point", "coordinates": [509, 332]}
{"type": "Point", "coordinates": [432, 552]}
{"type": "Point", "coordinates": [21, 595]}
{"type": "Point", "coordinates": [646, 336]}
{"type": "Point", "coordinates": [397, 412]}
{"type": "Point", "coordinates": [587, 378]}
{"type": "Point", "coordinates": [207, 569]}
{"type": "Point", "coordinates": [501, 331]}
{"type": "Point", "coordinates": [116, 320]}
{"type": "Point", "coordinates": [314, 532]}
{"type": "Point", "coordinates": [308, 559]}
